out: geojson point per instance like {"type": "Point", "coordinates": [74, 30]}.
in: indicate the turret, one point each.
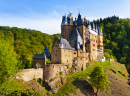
{"type": "Point", "coordinates": [96, 29]}
{"type": "Point", "coordinates": [79, 20]}
{"type": "Point", "coordinates": [64, 20]}
{"type": "Point", "coordinates": [93, 26]}
{"type": "Point", "coordinates": [60, 45]}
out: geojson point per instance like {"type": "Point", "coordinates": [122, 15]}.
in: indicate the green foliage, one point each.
{"type": "Point", "coordinates": [8, 62]}
{"type": "Point", "coordinates": [18, 88]}
{"type": "Point", "coordinates": [67, 88]}
{"type": "Point", "coordinates": [123, 60]}
{"type": "Point", "coordinates": [48, 61]}
{"type": "Point", "coordinates": [26, 42]}
{"type": "Point", "coordinates": [61, 72]}
{"type": "Point", "coordinates": [116, 33]}
{"type": "Point", "coordinates": [99, 79]}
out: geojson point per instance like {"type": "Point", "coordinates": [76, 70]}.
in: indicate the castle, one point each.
{"type": "Point", "coordinates": [80, 41]}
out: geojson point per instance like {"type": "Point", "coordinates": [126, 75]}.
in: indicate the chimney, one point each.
{"type": "Point", "coordinates": [71, 19]}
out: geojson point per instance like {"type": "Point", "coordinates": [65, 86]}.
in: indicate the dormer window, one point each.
{"type": "Point", "coordinates": [60, 45]}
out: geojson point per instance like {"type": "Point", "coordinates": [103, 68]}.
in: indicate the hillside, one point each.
{"type": "Point", "coordinates": [116, 36]}
{"type": "Point", "coordinates": [78, 84]}
{"type": "Point", "coordinates": [18, 46]}
{"type": "Point", "coordinates": [26, 42]}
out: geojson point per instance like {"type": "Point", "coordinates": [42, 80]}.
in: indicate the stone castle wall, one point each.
{"type": "Point", "coordinates": [66, 31]}
{"type": "Point", "coordinates": [56, 54]}
{"type": "Point", "coordinates": [35, 61]}
{"type": "Point", "coordinates": [51, 70]}
{"type": "Point", "coordinates": [30, 74]}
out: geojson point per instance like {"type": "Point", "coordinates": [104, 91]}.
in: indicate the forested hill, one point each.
{"type": "Point", "coordinates": [26, 42]}
{"type": "Point", "coordinates": [116, 38]}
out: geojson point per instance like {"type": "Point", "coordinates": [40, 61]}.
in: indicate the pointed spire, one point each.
{"type": "Point", "coordinates": [75, 21]}
{"type": "Point", "coordinates": [79, 17]}
{"type": "Point", "coordinates": [44, 54]}
{"type": "Point", "coordinates": [93, 26]}
{"type": "Point", "coordinates": [60, 40]}
{"type": "Point", "coordinates": [96, 29]}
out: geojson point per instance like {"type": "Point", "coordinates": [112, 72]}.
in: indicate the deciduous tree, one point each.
{"type": "Point", "coordinates": [99, 79]}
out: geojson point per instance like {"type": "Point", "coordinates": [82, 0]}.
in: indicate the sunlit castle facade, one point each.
{"type": "Point", "coordinates": [89, 33]}
{"type": "Point", "coordinates": [80, 41]}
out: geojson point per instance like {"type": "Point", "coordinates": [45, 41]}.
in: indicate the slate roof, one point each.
{"type": "Point", "coordinates": [65, 43]}
{"type": "Point", "coordinates": [92, 25]}
{"type": "Point", "coordinates": [74, 34]}
{"type": "Point", "coordinates": [77, 38]}
{"type": "Point", "coordinates": [64, 21]}
{"type": "Point", "coordinates": [39, 56]}
{"type": "Point", "coordinates": [79, 20]}
{"type": "Point", "coordinates": [46, 52]}
{"type": "Point", "coordinates": [98, 30]}
{"type": "Point", "coordinates": [68, 19]}
{"type": "Point", "coordinates": [78, 44]}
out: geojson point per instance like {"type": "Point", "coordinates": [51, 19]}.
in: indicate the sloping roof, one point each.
{"type": "Point", "coordinates": [76, 38]}
{"type": "Point", "coordinates": [65, 43]}
{"type": "Point", "coordinates": [78, 43]}
{"type": "Point", "coordinates": [64, 20]}
{"type": "Point", "coordinates": [79, 20]}
{"type": "Point", "coordinates": [46, 52]}
{"type": "Point", "coordinates": [74, 34]}
{"type": "Point", "coordinates": [39, 56]}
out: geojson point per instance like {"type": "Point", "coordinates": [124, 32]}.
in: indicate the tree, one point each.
{"type": "Point", "coordinates": [123, 60]}
{"type": "Point", "coordinates": [8, 62]}
{"type": "Point", "coordinates": [99, 79]}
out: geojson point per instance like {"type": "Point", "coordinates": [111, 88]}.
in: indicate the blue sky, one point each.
{"type": "Point", "coordinates": [46, 15]}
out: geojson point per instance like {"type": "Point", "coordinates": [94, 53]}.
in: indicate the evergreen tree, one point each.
{"type": "Point", "coordinates": [99, 79]}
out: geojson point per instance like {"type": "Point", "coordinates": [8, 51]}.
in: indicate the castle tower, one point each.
{"type": "Point", "coordinates": [67, 28]}
{"type": "Point", "coordinates": [71, 19]}
{"type": "Point", "coordinates": [60, 45]}
{"type": "Point", "coordinates": [100, 44]}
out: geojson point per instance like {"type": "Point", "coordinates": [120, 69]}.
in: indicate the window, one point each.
{"type": "Point", "coordinates": [93, 44]}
